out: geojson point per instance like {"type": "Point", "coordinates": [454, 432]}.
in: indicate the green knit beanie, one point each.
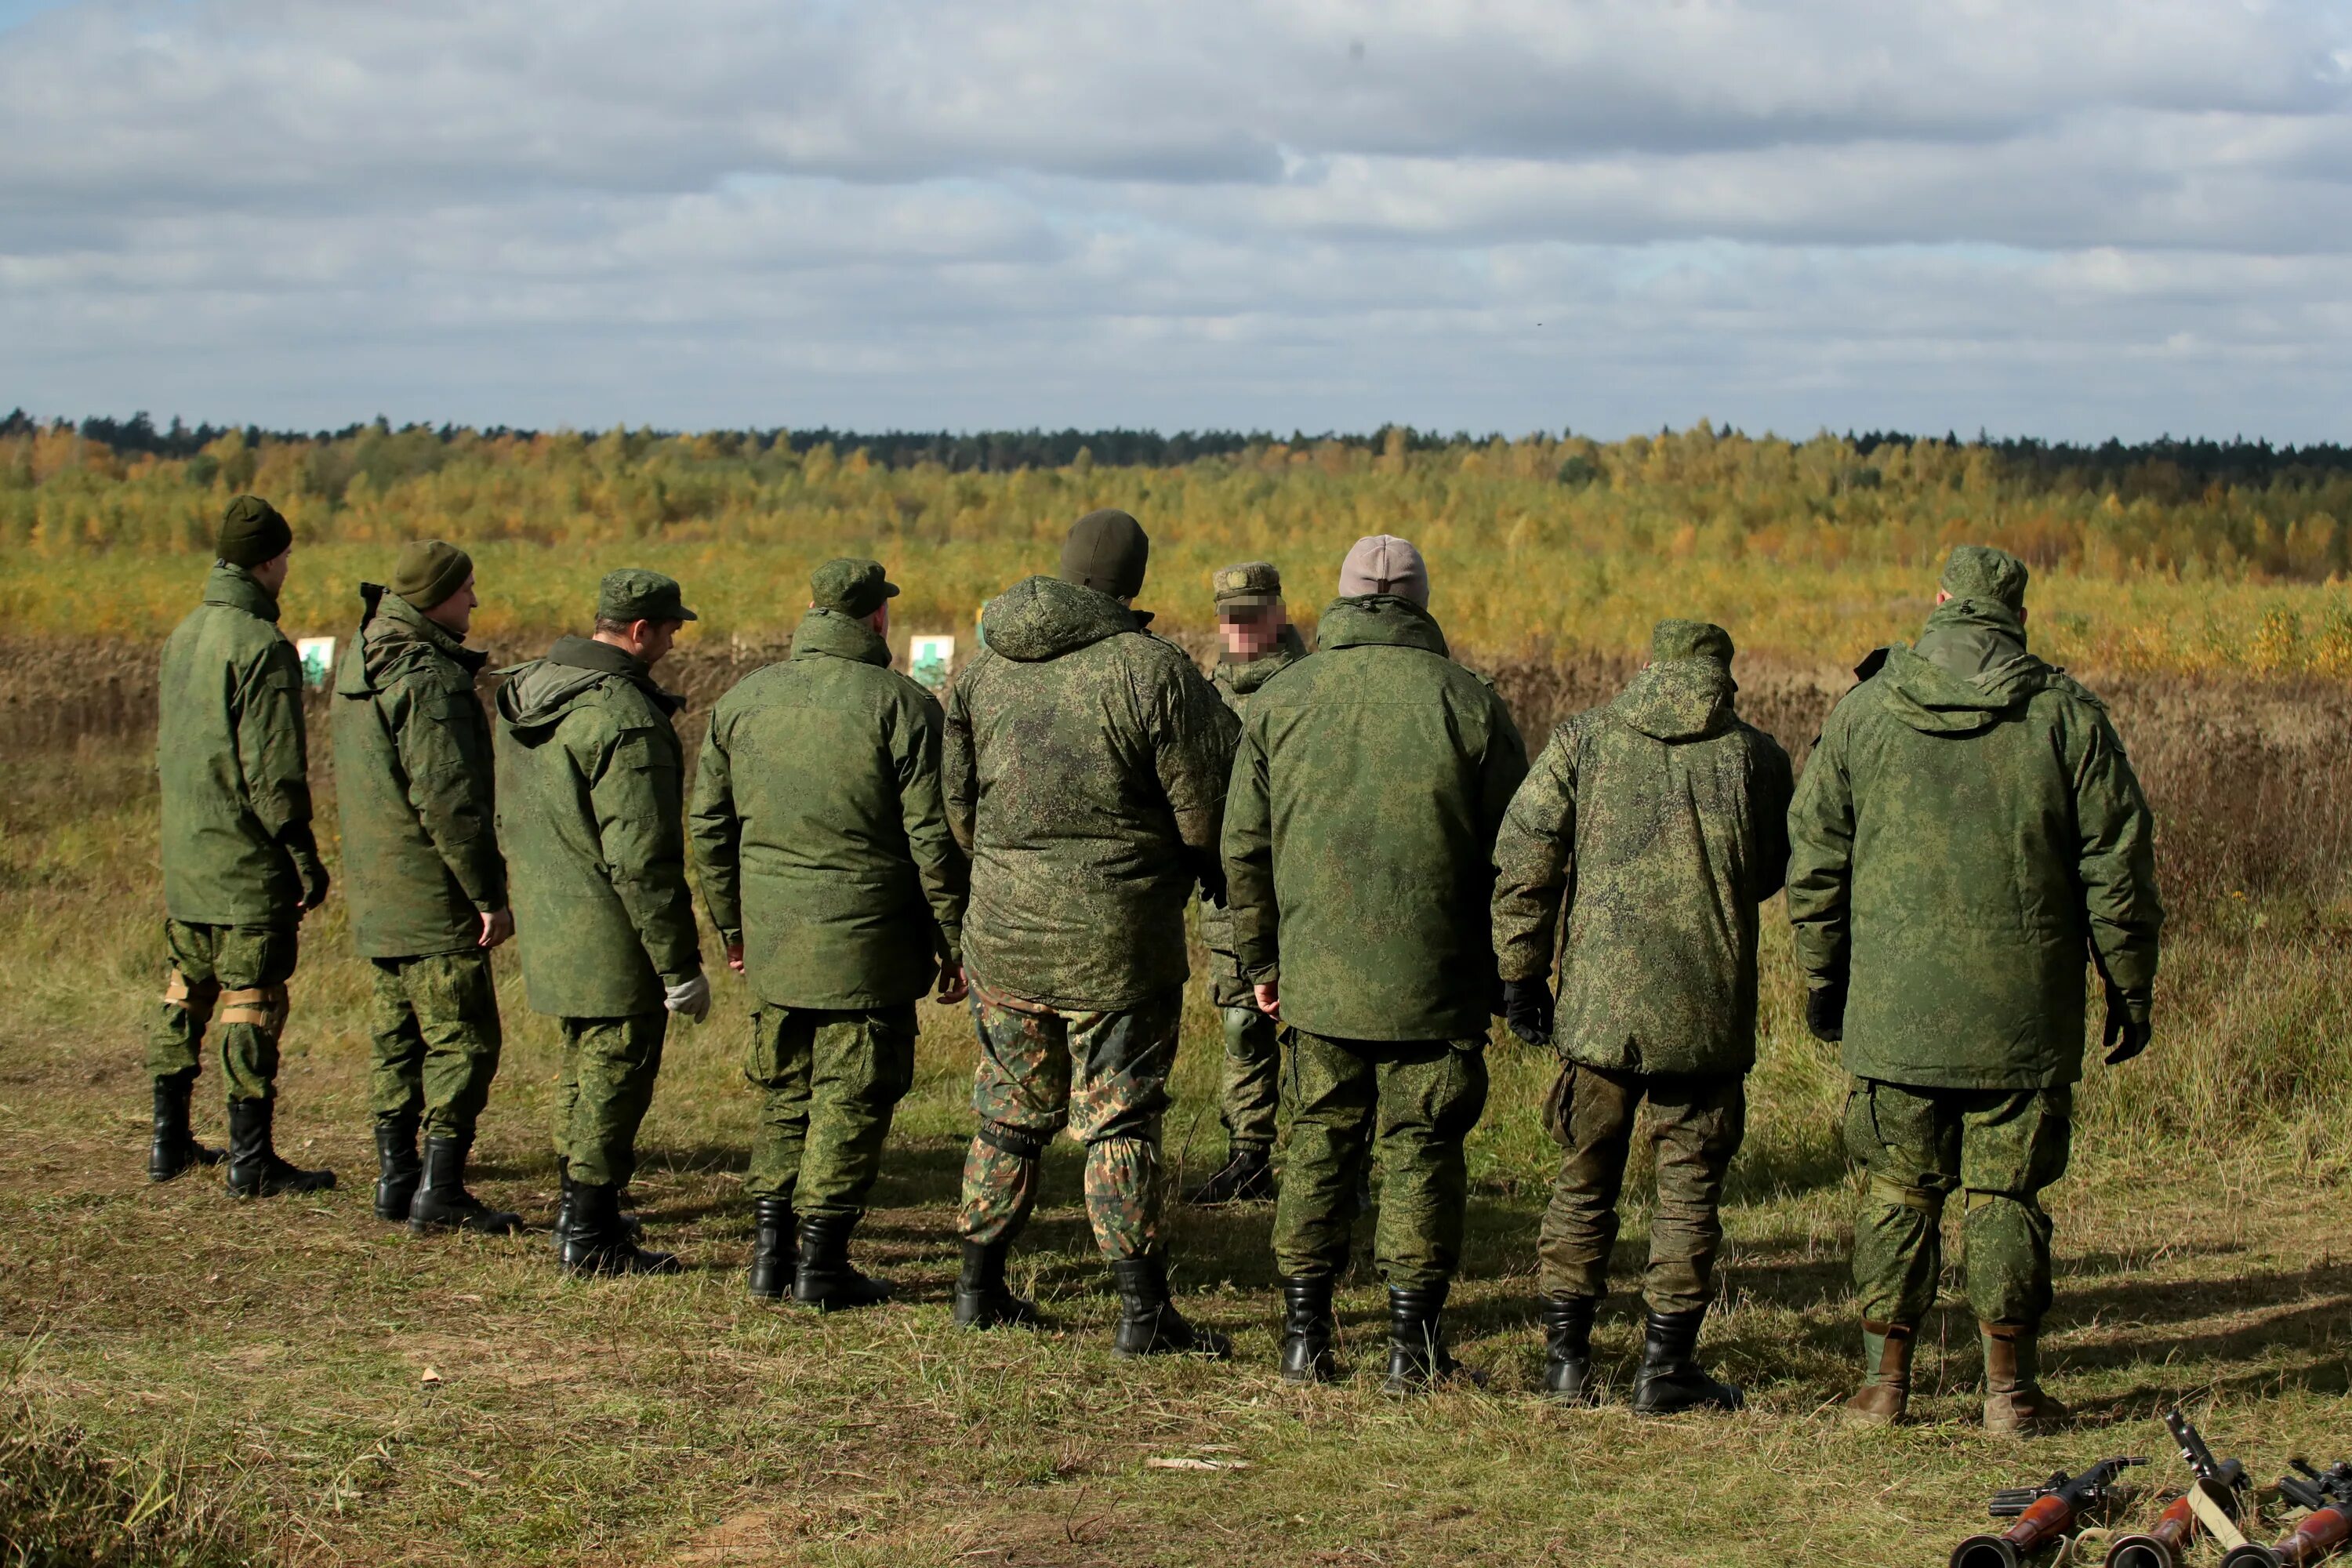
{"type": "Point", "coordinates": [429, 571]}
{"type": "Point", "coordinates": [251, 532]}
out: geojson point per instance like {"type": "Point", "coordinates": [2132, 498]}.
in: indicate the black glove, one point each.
{"type": "Point", "coordinates": [1527, 1008]}
{"type": "Point", "coordinates": [2124, 1035]}
{"type": "Point", "coordinates": [1825, 1012]}
{"type": "Point", "coordinates": [302, 849]}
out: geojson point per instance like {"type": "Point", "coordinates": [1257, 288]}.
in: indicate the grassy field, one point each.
{"type": "Point", "coordinates": [292, 1382]}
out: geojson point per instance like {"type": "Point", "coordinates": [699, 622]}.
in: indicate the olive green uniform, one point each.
{"type": "Point", "coordinates": [232, 755]}
{"type": "Point", "coordinates": [589, 786]}
{"type": "Point", "coordinates": [1968, 831]}
{"type": "Point", "coordinates": [1659, 823]}
{"type": "Point", "coordinates": [821, 843]}
{"type": "Point", "coordinates": [1366, 793]}
{"type": "Point", "coordinates": [415, 774]}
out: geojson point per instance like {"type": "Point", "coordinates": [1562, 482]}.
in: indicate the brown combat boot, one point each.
{"type": "Point", "coordinates": [2014, 1405]}
{"type": "Point", "coordinates": [1886, 1395]}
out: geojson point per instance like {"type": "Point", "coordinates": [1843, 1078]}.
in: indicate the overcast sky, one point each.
{"type": "Point", "coordinates": [2077, 219]}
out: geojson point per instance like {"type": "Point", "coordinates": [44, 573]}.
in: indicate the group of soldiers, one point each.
{"type": "Point", "coordinates": [1380, 873]}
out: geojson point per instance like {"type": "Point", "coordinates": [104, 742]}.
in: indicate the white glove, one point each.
{"type": "Point", "coordinates": [691, 997]}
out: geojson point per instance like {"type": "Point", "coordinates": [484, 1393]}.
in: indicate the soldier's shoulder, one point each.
{"type": "Point", "coordinates": [2055, 680]}
{"type": "Point", "coordinates": [1759, 740]}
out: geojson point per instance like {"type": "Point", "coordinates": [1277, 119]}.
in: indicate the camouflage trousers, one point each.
{"type": "Point", "coordinates": [828, 1082]}
{"type": "Point", "coordinates": [433, 1024]}
{"type": "Point", "coordinates": [1102, 1075]}
{"type": "Point", "coordinates": [1403, 1106]}
{"type": "Point", "coordinates": [2001, 1148]}
{"type": "Point", "coordinates": [1253, 1077]}
{"type": "Point", "coordinates": [1696, 1123]}
{"type": "Point", "coordinates": [230, 979]}
{"type": "Point", "coordinates": [606, 1083]}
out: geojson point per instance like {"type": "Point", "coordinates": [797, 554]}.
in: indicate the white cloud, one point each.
{"type": "Point", "coordinates": [2115, 215]}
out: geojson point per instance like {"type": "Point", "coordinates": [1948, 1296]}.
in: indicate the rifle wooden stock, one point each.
{"type": "Point", "coordinates": [2323, 1530]}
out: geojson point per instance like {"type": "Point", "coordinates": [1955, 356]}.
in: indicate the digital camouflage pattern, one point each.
{"type": "Point", "coordinates": [602, 1091]}
{"type": "Point", "coordinates": [1659, 821]}
{"type": "Point", "coordinates": [1966, 830]}
{"type": "Point", "coordinates": [828, 1082]}
{"type": "Point", "coordinates": [1696, 1123]}
{"type": "Point", "coordinates": [233, 758]}
{"type": "Point", "coordinates": [1403, 1106]}
{"type": "Point", "coordinates": [819, 835]}
{"type": "Point", "coordinates": [1103, 1073]}
{"type": "Point", "coordinates": [1370, 782]}
{"type": "Point", "coordinates": [2001, 1148]}
{"type": "Point", "coordinates": [230, 982]}
{"type": "Point", "coordinates": [415, 783]}
{"type": "Point", "coordinates": [1234, 682]}
{"type": "Point", "coordinates": [590, 777]}
{"type": "Point", "coordinates": [1250, 1100]}
{"type": "Point", "coordinates": [1086, 764]}
{"type": "Point", "coordinates": [432, 1021]}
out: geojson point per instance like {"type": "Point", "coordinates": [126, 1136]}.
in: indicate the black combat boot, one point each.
{"type": "Point", "coordinates": [825, 1277]}
{"type": "Point", "coordinates": [596, 1242]}
{"type": "Point", "coordinates": [982, 1300]}
{"type": "Point", "coordinates": [773, 1255]}
{"type": "Point", "coordinates": [398, 1171]}
{"type": "Point", "coordinates": [1247, 1178]}
{"type": "Point", "coordinates": [1568, 1347]}
{"type": "Point", "coordinates": [442, 1201]}
{"type": "Point", "coordinates": [1671, 1380]}
{"type": "Point", "coordinates": [1418, 1359]}
{"type": "Point", "coordinates": [1148, 1323]}
{"type": "Point", "coordinates": [631, 1226]}
{"type": "Point", "coordinates": [255, 1171]}
{"type": "Point", "coordinates": [175, 1148]}
{"type": "Point", "coordinates": [1307, 1329]}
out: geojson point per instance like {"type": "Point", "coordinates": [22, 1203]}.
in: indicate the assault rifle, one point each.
{"type": "Point", "coordinates": [2043, 1514]}
{"type": "Point", "coordinates": [2222, 1485]}
{"type": "Point", "coordinates": [2328, 1495]}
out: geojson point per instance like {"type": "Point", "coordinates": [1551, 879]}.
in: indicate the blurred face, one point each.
{"type": "Point", "coordinates": [272, 573]}
{"type": "Point", "coordinates": [455, 615]}
{"type": "Point", "coordinates": [1250, 631]}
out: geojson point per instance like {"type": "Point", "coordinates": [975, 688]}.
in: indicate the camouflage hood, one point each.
{"type": "Point", "coordinates": [1041, 618]}
{"type": "Point", "coordinates": [1678, 699]}
{"type": "Point", "coordinates": [1968, 668]}
{"type": "Point", "coordinates": [395, 638]}
{"type": "Point", "coordinates": [1379, 619]}
{"type": "Point", "coordinates": [536, 696]}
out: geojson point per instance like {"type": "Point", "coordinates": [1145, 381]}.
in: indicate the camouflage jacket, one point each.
{"type": "Point", "coordinates": [589, 779]}
{"type": "Point", "coordinates": [414, 784]}
{"type": "Point", "coordinates": [1660, 822]}
{"type": "Point", "coordinates": [1086, 765]}
{"type": "Point", "coordinates": [233, 758]}
{"type": "Point", "coordinates": [1968, 831]}
{"type": "Point", "coordinates": [1228, 985]}
{"type": "Point", "coordinates": [1370, 782]}
{"type": "Point", "coordinates": [819, 835]}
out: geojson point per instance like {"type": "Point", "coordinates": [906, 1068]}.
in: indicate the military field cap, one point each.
{"type": "Point", "coordinates": [1106, 551]}
{"type": "Point", "coordinates": [429, 571]}
{"type": "Point", "coordinates": [1383, 564]}
{"type": "Point", "coordinates": [1981, 571]}
{"type": "Point", "coordinates": [853, 586]}
{"type": "Point", "coordinates": [634, 594]}
{"type": "Point", "coordinates": [251, 532]}
{"type": "Point", "coordinates": [1690, 639]}
{"type": "Point", "coordinates": [1248, 583]}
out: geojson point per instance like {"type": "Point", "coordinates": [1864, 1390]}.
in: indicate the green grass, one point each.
{"type": "Point", "coordinates": [270, 1357]}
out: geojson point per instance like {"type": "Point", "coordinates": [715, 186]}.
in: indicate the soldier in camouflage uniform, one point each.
{"type": "Point", "coordinates": [1085, 768]}
{"type": "Point", "coordinates": [1259, 643]}
{"type": "Point", "coordinates": [240, 863]}
{"type": "Point", "coordinates": [1660, 822]}
{"type": "Point", "coordinates": [424, 886]}
{"type": "Point", "coordinates": [1968, 831]}
{"type": "Point", "coordinates": [822, 846]}
{"type": "Point", "coordinates": [590, 777]}
{"type": "Point", "coordinates": [1366, 793]}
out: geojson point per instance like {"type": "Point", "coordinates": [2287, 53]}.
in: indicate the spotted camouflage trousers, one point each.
{"type": "Point", "coordinates": [2001, 1147]}
{"type": "Point", "coordinates": [1402, 1107]}
{"type": "Point", "coordinates": [605, 1084]}
{"type": "Point", "coordinates": [433, 1024]}
{"type": "Point", "coordinates": [230, 979]}
{"type": "Point", "coordinates": [1103, 1075]}
{"type": "Point", "coordinates": [828, 1083]}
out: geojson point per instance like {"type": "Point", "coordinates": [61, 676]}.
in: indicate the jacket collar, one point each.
{"type": "Point", "coordinates": [1379, 620]}
{"type": "Point", "coordinates": [829, 633]}
{"type": "Point", "coordinates": [396, 620]}
{"type": "Point", "coordinates": [234, 586]}
{"type": "Point", "coordinates": [587, 653]}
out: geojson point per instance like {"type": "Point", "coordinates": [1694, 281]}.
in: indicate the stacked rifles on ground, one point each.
{"type": "Point", "coordinates": [2055, 1513]}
